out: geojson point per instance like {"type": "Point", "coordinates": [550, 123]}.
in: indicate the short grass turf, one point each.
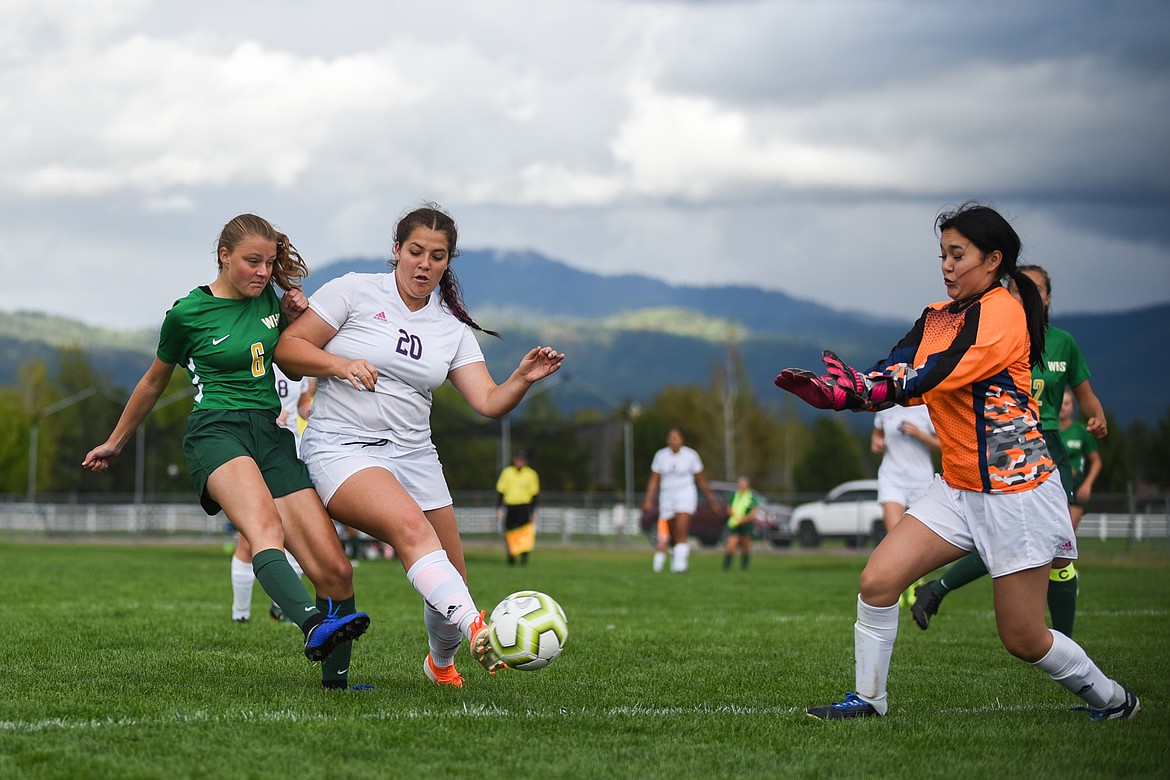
{"type": "Point", "coordinates": [120, 661]}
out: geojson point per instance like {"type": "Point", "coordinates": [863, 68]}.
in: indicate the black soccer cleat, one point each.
{"type": "Point", "coordinates": [926, 604]}
{"type": "Point", "coordinates": [1127, 709]}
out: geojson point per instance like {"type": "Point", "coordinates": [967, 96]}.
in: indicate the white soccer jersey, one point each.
{"type": "Point", "coordinates": [413, 352]}
{"type": "Point", "coordinates": [906, 460]}
{"type": "Point", "coordinates": [676, 472]}
{"type": "Point", "coordinates": [290, 392]}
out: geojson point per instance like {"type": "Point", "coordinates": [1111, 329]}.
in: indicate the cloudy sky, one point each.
{"type": "Point", "coordinates": [787, 144]}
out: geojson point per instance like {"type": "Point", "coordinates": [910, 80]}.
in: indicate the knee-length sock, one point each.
{"type": "Point", "coordinates": [963, 571]}
{"type": "Point", "coordinates": [283, 586]}
{"type": "Point", "coordinates": [443, 637]}
{"type": "Point", "coordinates": [1068, 664]}
{"type": "Point", "coordinates": [873, 647]}
{"type": "Point", "coordinates": [242, 579]}
{"type": "Point", "coordinates": [440, 585]}
{"type": "Point", "coordinates": [1062, 598]}
{"type": "Point", "coordinates": [335, 668]}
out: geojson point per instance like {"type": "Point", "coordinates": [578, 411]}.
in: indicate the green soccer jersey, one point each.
{"type": "Point", "coordinates": [1061, 365]}
{"type": "Point", "coordinates": [226, 346]}
{"type": "Point", "coordinates": [1078, 442]}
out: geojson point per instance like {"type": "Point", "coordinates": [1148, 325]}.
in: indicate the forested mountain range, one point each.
{"type": "Point", "coordinates": [629, 336]}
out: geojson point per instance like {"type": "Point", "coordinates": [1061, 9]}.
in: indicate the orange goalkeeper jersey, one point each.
{"type": "Point", "coordinates": [968, 362]}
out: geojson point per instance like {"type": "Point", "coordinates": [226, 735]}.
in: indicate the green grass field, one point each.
{"type": "Point", "coordinates": [121, 662]}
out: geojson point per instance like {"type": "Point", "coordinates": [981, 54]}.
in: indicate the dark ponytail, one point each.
{"type": "Point", "coordinates": [1035, 311]}
{"type": "Point", "coordinates": [986, 228]}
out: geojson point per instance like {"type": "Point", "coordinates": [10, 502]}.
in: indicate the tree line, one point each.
{"type": "Point", "coordinates": [53, 416]}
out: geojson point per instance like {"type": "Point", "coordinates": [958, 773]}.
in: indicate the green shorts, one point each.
{"type": "Point", "coordinates": [1059, 456]}
{"type": "Point", "coordinates": [215, 436]}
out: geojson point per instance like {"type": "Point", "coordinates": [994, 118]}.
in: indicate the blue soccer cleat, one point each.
{"type": "Point", "coordinates": [332, 631]}
{"type": "Point", "coordinates": [853, 706]}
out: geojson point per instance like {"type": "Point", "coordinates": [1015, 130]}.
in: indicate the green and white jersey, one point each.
{"type": "Point", "coordinates": [1062, 364]}
{"type": "Point", "coordinates": [226, 346]}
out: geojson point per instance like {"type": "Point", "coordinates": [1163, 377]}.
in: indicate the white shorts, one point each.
{"type": "Point", "coordinates": [1011, 531]}
{"type": "Point", "coordinates": [333, 458]}
{"type": "Point", "coordinates": [676, 503]}
{"type": "Point", "coordinates": [901, 491]}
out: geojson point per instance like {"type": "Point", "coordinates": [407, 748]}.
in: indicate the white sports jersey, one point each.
{"type": "Point", "coordinates": [676, 472]}
{"type": "Point", "coordinates": [290, 393]}
{"type": "Point", "coordinates": [413, 352]}
{"type": "Point", "coordinates": [907, 460]}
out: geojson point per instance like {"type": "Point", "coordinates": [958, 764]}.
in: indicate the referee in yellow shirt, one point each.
{"type": "Point", "coordinates": [518, 487]}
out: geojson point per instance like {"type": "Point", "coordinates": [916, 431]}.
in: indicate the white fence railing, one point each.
{"type": "Point", "coordinates": [1124, 526]}
{"type": "Point", "coordinates": [27, 518]}
{"type": "Point", "coordinates": [563, 522]}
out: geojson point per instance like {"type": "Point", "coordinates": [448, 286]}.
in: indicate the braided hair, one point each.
{"type": "Point", "coordinates": [984, 227]}
{"type": "Point", "coordinates": [431, 216]}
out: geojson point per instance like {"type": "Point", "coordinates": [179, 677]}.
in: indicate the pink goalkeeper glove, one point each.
{"type": "Point", "coordinates": [814, 390]}
{"type": "Point", "coordinates": [860, 390]}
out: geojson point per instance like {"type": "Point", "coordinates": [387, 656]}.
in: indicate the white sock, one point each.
{"type": "Point", "coordinates": [443, 637]}
{"type": "Point", "coordinates": [293, 563]}
{"type": "Point", "coordinates": [680, 554]}
{"type": "Point", "coordinates": [1068, 664]}
{"type": "Point", "coordinates": [242, 579]}
{"type": "Point", "coordinates": [659, 560]}
{"type": "Point", "coordinates": [440, 585]}
{"type": "Point", "coordinates": [873, 646]}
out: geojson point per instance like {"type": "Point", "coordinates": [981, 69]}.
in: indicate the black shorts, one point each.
{"type": "Point", "coordinates": [215, 436]}
{"type": "Point", "coordinates": [517, 515]}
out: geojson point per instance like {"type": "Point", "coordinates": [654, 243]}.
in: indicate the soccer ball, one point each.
{"type": "Point", "coordinates": [528, 630]}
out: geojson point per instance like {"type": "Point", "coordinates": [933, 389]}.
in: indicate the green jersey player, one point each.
{"type": "Point", "coordinates": [240, 460]}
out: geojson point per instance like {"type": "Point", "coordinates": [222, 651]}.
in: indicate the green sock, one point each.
{"type": "Point", "coordinates": [963, 571]}
{"type": "Point", "coordinates": [1062, 599]}
{"type": "Point", "coordinates": [743, 562]}
{"type": "Point", "coordinates": [335, 668]}
{"type": "Point", "coordinates": [283, 585]}
{"type": "Point", "coordinates": [727, 561]}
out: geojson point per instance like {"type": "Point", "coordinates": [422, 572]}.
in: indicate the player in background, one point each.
{"type": "Point", "coordinates": [240, 461]}
{"type": "Point", "coordinates": [517, 489]}
{"type": "Point", "coordinates": [968, 360]}
{"type": "Point", "coordinates": [904, 436]}
{"type": "Point", "coordinates": [294, 398]}
{"type": "Point", "coordinates": [1062, 366]}
{"type": "Point", "coordinates": [380, 344]}
{"type": "Point", "coordinates": [1083, 459]}
{"type": "Point", "coordinates": [677, 468]}
{"type": "Point", "coordinates": [743, 508]}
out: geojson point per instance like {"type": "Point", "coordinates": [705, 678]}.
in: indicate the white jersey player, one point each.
{"type": "Point", "coordinates": [674, 473]}
{"type": "Point", "coordinates": [905, 437]}
{"type": "Point", "coordinates": [380, 345]}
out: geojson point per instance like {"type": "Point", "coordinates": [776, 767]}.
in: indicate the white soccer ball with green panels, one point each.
{"type": "Point", "coordinates": [528, 630]}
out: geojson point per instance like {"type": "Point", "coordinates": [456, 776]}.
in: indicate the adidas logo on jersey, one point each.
{"type": "Point", "coordinates": [380, 316]}
{"type": "Point", "coordinates": [272, 320]}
